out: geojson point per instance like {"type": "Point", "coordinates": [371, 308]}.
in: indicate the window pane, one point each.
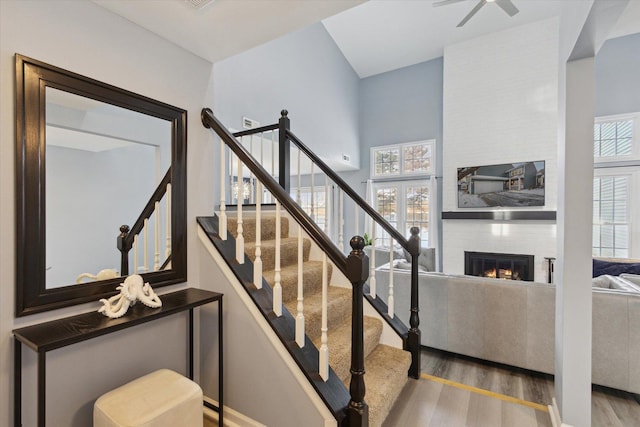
{"type": "Point", "coordinates": [607, 147]}
{"type": "Point", "coordinates": [608, 130]}
{"type": "Point", "coordinates": [596, 236]}
{"type": "Point", "coordinates": [621, 236]}
{"type": "Point", "coordinates": [386, 161]}
{"type": "Point", "coordinates": [612, 139]}
{"type": "Point", "coordinates": [606, 211]}
{"type": "Point", "coordinates": [606, 236]}
{"type": "Point", "coordinates": [417, 158]}
{"type": "Point", "coordinates": [624, 147]}
{"type": "Point", "coordinates": [625, 129]}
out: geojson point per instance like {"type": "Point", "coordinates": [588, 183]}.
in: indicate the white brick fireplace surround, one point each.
{"type": "Point", "coordinates": [500, 106]}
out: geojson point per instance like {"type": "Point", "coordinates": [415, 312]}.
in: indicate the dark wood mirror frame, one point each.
{"type": "Point", "coordinates": [32, 79]}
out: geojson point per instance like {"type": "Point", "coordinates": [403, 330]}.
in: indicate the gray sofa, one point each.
{"type": "Point", "coordinates": [512, 322]}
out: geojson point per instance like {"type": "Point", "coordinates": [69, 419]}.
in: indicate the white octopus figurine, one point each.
{"type": "Point", "coordinates": [133, 289]}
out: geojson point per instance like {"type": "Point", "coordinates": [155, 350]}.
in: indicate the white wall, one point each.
{"type": "Point", "coordinates": [500, 106]}
{"type": "Point", "coordinates": [84, 38]}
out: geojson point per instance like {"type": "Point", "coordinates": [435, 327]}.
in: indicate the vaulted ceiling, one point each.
{"type": "Point", "coordinates": [375, 36]}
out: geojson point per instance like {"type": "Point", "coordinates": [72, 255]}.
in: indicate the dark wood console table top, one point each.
{"type": "Point", "coordinates": [59, 333]}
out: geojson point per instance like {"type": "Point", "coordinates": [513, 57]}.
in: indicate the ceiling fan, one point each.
{"type": "Point", "coordinates": [505, 5]}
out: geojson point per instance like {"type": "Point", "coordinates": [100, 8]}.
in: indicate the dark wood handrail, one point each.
{"type": "Point", "coordinates": [157, 195]}
{"type": "Point", "coordinates": [299, 215]}
{"type": "Point", "coordinates": [351, 193]}
{"type": "Point", "coordinates": [254, 131]}
{"type": "Point", "coordinates": [403, 241]}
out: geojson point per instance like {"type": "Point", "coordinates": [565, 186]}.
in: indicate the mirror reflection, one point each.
{"type": "Point", "coordinates": [103, 164]}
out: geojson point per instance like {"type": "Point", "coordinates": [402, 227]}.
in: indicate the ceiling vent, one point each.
{"type": "Point", "coordinates": [199, 4]}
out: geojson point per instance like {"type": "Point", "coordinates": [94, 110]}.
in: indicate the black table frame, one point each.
{"type": "Point", "coordinates": [55, 334]}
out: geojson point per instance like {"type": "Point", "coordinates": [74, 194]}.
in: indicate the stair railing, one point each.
{"type": "Point", "coordinates": [355, 267]}
{"type": "Point", "coordinates": [286, 137]}
{"type": "Point", "coordinates": [129, 236]}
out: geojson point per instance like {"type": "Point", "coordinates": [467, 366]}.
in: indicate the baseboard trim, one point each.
{"type": "Point", "coordinates": [231, 418]}
{"type": "Point", "coordinates": [555, 414]}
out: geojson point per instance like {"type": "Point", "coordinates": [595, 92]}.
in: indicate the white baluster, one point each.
{"type": "Point", "coordinates": [299, 178]}
{"type": "Point", "coordinates": [372, 263]}
{"type": "Point", "coordinates": [323, 369]}
{"type": "Point", "coordinates": [222, 226]}
{"type": "Point", "coordinates": [135, 254]}
{"type": "Point", "coordinates": [390, 303]}
{"type": "Point", "coordinates": [300, 316]}
{"type": "Point", "coordinates": [341, 219]}
{"type": "Point", "coordinates": [257, 263]}
{"type": "Point", "coordinates": [251, 192]}
{"type": "Point", "coordinates": [260, 193]}
{"type": "Point", "coordinates": [156, 237]}
{"type": "Point", "coordinates": [273, 158]}
{"type": "Point", "coordinates": [167, 250]}
{"type": "Point", "coordinates": [277, 287]}
{"type": "Point", "coordinates": [326, 205]}
{"type": "Point", "coordinates": [145, 246]}
{"type": "Point", "coordinates": [313, 194]}
{"type": "Point", "coordinates": [356, 217]}
{"type": "Point", "coordinates": [240, 198]}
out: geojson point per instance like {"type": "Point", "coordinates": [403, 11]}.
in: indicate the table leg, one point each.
{"type": "Point", "coordinates": [190, 327]}
{"type": "Point", "coordinates": [220, 370]}
{"type": "Point", "coordinates": [42, 387]}
{"type": "Point", "coordinates": [17, 382]}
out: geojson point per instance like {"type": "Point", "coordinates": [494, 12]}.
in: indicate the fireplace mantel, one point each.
{"type": "Point", "coordinates": [502, 215]}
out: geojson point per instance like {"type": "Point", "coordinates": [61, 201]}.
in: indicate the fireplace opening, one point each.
{"type": "Point", "coordinates": [499, 266]}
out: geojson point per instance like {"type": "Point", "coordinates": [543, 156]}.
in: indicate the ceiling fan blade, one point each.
{"type": "Point", "coordinates": [508, 7]}
{"type": "Point", "coordinates": [445, 2]}
{"type": "Point", "coordinates": [473, 12]}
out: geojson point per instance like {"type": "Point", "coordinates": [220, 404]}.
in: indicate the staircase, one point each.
{"type": "Point", "coordinates": [386, 366]}
{"type": "Point", "coordinates": [319, 320]}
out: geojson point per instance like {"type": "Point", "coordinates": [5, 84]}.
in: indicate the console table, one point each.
{"type": "Point", "coordinates": [55, 334]}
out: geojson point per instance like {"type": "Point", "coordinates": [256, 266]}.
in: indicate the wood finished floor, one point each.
{"type": "Point", "coordinates": [427, 403]}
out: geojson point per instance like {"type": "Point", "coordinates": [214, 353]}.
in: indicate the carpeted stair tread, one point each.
{"type": "Point", "coordinates": [339, 303]}
{"type": "Point", "coordinates": [386, 375]}
{"type": "Point", "coordinates": [288, 252]}
{"type": "Point", "coordinates": [311, 278]}
{"type": "Point", "coordinates": [339, 342]}
{"type": "Point", "coordinates": [267, 231]}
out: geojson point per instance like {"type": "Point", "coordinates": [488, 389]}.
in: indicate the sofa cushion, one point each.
{"type": "Point", "coordinates": [613, 268]}
{"type": "Point", "coordinates": [633, 278]}
{"type": "Point", "coordinates": [426, 258]}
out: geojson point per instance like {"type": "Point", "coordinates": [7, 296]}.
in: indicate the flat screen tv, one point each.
{"type": "Point", "coordinates": [505, 185]}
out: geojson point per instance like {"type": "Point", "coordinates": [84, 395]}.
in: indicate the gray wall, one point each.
{"type": "Point", "coordinates": [85, 38]}
{"type": "Point", "coordinates": [303, 72]}
{"type": "Point", "coordinates": [618, 76]}
{"type": "Point", "coordinates": [399, 106]}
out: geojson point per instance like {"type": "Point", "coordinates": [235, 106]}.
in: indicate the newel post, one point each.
{"type": "Point", "coordinates": [413, 337]}
{"type": "Point", "coordinates": [357, 273]}
{"type": "Point", "coordinates": [124, 250]}
{"type": "Point", "coordinates": [284, 149]}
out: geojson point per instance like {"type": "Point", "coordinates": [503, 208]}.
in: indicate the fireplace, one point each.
{"type": "Point", "coordinates": [499, 266]}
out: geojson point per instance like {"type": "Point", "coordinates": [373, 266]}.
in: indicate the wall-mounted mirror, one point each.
{"type": "Point", "coordinates": [90, 159]}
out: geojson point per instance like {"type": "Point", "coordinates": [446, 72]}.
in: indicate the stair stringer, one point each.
{"type": "Point", "coordinates": [256, 359]}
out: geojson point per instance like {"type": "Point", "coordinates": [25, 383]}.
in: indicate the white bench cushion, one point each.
{"type": "Point", "coordinates": [162, 398]}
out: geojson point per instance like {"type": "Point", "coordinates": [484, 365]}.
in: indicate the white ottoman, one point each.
{"type": "Point", "coordinates": [162, 398]}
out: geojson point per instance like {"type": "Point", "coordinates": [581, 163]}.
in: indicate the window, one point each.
{"type": "Point", "coordinates": [617, 171]}
{"type": "Point", "coordinates": [316, 210]}
{"type": "Point", "coordinates": [611, 216]}
{"type": "Point", "coordinates": [404, 205]}
{"type": "Point", "coordinates": [413, 158]}
{"type": "Point", "coordinates": [401, 199]}
{"type": "Point", "coordinates": [612, 138]}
